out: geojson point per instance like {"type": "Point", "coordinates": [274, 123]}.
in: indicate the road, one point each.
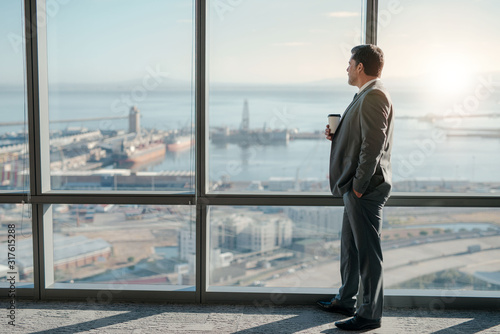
{"type": "Point", "coordinates": [403, 264]}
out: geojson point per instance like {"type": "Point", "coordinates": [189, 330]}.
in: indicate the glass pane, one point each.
{"type": "Point", "coordinates": [121, 105]}
{"type": "Point", "coordinates": [443, 74]}
{"type": "Point", "coordinates": [293, 247]}
{"type": "Point", "coordinates": [14, 163]}
{"type": "Point", "coordinates": [16, 243]}
{"type": "Point", "coordinates": [299, 247]}
{"type": "Point", "coordinates": [442, 248]}
{"type": "Point", "coordinates": [277, 69]}
{"type": "Point", "coordinates": [124, 244]}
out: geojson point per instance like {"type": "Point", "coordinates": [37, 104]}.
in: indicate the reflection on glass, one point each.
{"type": "Point", "coordinates": [16, 243]}
{"type": "Point", "coordinates": [14, 164]}
{"type": "Point", "coordinates": [298, 247]}
{"type": "Point", "coordinates": [276, 71]}
{"type": "Point", "coordinates": [120, 96]}
{"type": "Point", "coordinates": [124, 244]}
{"type": "Point", "coordinates": [443, 80]}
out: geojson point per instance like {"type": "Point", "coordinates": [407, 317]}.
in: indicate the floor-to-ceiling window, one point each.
{"type": "Point", "coordinates": [117, 138]}
{"type": "Point", "coordinates": [178, 147]}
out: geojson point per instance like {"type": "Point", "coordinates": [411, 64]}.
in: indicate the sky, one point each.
{"type": "Point", "coordinates": [461, 34]}
{"type": "Point", "coordinates": [11, 51]}
{"type": "Point", "coordinates": [254, 41]}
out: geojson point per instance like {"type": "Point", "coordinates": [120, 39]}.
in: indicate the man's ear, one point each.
{"type": "Point", "coordinates": [360, 67]}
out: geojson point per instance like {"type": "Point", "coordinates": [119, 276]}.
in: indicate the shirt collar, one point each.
{"type": "Point", "coordinates": [367, 84]}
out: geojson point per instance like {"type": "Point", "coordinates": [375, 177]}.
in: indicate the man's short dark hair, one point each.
{"type": "Point", "coordinates": [371, 56]}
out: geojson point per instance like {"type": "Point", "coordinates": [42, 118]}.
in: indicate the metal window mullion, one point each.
{"type": "Point", "coordinates": [31, 89]}
{"type": "Point", "coordinates": [113, 199]}
{"type": "Point", "coordinates": [201, 143]}
{"type": "Point", "coordinates": [201, 253]}
{"type": "Point", "coordinates": [46, 249]}
{"type": "Point", "coordinates": [200, 97]}
{"type": "Point", "coordinates": [41, 102]}
{"type": "Point", "coordinates": [371, 21]}
{"type": "Point", "coordinates": [12, 198]}
{"type": "Point", "coordinates": [38, 272]}
{"type": "Point", "coordinates": [408, 200]}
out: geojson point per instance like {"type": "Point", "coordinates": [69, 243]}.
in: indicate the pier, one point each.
{"type": "Point", "coordinates": [91, 119]}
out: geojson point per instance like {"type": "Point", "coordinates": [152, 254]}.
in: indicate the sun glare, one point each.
{"type": "Point", "coordinates": [450, 74]}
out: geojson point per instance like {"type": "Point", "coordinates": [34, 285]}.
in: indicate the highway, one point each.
{"type": "Point", "coordinates": [405, 263]}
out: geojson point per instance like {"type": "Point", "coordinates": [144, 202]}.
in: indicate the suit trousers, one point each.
{"type": "Point", "coordinates": [361, 252]}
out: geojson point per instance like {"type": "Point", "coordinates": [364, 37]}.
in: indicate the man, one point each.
{"type": "Point", "coordinates": [360, 172]}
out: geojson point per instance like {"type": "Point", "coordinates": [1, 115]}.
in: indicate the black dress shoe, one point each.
{"type": "Point", "coordinates": [335, 306]}
{"type": "Point", "coordinates": [357, 323]}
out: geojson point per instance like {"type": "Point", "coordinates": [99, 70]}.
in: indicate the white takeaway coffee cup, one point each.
{"type": "Point", "coordinates": [333, 122]}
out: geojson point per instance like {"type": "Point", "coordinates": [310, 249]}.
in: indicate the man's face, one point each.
{"type": "Point", "coordinates": [353, 72]}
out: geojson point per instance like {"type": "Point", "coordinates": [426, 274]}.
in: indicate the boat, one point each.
{"type": "Point", "coordinates": [140, 151]}
{"type": "Point", "coordinates": [180, 144]}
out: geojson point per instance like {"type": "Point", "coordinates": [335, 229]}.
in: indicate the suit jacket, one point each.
{"type": "Point", "coordinates": [360, 157]}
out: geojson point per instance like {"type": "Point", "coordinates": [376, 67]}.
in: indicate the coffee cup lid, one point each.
{"type": "Point", "coordinates": [338, 115]}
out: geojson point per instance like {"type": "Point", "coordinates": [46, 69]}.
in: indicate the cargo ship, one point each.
{"type": "Point", "coordinates": [140, 151]}
{"type": "Point", "coordinates": [180, 144]}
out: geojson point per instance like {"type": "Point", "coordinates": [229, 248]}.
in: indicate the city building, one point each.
{"type": "Point", "coordinates": [309, 222]}
{"type": "Point", "coordinates": [69, 252]}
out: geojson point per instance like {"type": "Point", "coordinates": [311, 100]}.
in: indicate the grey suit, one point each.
{"type": "Point", "coordinates": [360, 160]}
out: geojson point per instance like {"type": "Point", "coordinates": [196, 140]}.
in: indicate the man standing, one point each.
{"type": "Point", "coordinates": [360, 172]}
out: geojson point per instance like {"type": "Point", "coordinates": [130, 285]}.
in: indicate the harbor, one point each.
{"type": "Point", "coordinates": [84, 158]}
{"type": "Point", "coordinates": [243, 153]}
{"type": "Point", "coordinates": [90, 158]}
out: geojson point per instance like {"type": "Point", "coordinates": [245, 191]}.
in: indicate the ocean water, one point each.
{"type": "Point", "coordinates": [423, 150]}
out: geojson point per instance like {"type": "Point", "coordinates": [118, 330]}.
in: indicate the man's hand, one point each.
{"type": "Point", "coordinates": [358, 195]}
{"type": "Point", "coordinates": [328, 133]}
